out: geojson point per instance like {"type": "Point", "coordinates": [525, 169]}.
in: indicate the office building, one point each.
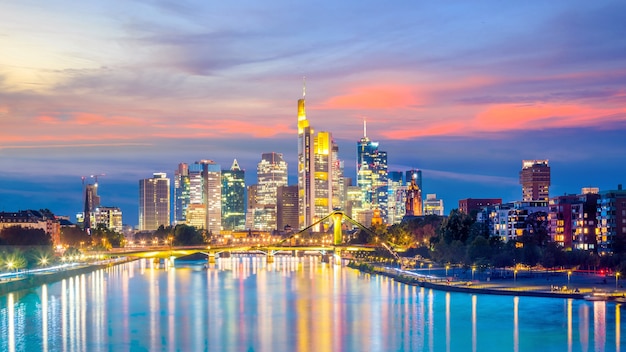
{"type": "Point", "coordinates": [396, 197]}
{"type": "Point", "coordinates": [315, 170]}
{"type": "Point", "coordinates": [205, 194]}
{"type": "Point", "coordinates": [611, 215]}
{"type": "Point", "coordinates": [433, 206]}
{"type": "Point", "coordinates": [233, 198]}
{"type": "Point", "coordinates": [372, 175]}
{"type": "Point", "coordinates": [109, 217]}
{"type": "Point", "coordinates": [271, 174]}
{"type": "Point", "coordinates": [154, 202]}
{"type": "Point", "coordinates": [535, 180]}
{"type": "Point", "coordinates": [181, 193]}
{"type": "Point", "coordinates": [286, 207]}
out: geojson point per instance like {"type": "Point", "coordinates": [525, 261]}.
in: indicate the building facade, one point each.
{"type": "Point", "coordinates": [535, 180]}
{"type": "Point", "coordinates": [573, 221]}
{"type": "Point", "coordinates": [205, 194]}
{"type": "Point", "coordinates": [611, 216]}
{"type": "Point", "coordinates": [433, 206]}
{"type": "Point", "coordinates": [233, 198]}
{"type": "Point", "coordinates": [469, 205]}
{"type": "Point", "coordinates": [315, 171]}
{"type": "Point", "coordinates": [109, 217]}
{"type": "Point", "coordinates": [154, 202]}
{"type": "Point", "coordinates": [181, 193]}
{"type": "Point", "coordinates": [271, 174]}
{"type": "Point", "coordinates": [286, 207]}
{"type": "Point", "coordinates": [372, 175]}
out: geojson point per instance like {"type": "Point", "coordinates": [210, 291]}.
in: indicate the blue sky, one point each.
{"type": "Point", "coordinates": [462, 90]}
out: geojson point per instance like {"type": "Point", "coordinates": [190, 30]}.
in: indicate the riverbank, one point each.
{"type": "Point", "coordinates": [573, 287]}
{"type": "Point", "coordinates": [30, 281]}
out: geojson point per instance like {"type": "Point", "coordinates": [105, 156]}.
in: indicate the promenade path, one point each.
{"type": "Point", "coordinates": [538, 283]}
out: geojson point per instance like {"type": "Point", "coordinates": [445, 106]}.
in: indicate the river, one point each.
{"type": "Point", "coordinates": [293, 304]}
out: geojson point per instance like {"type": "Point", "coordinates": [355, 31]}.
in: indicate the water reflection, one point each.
{"type": "Point", "coordinates": [291, 304]}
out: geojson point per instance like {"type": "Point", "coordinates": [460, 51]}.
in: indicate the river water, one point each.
{"type": "Point", "coordinates": [293, 304]}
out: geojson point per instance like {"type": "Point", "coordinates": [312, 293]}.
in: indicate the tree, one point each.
{"type": "Point", "coordinates": [22, 236]}
{"type": "Point", "coordinates": [536, 229]}
{"type": "Point", "coordinates": [74, 235]}
{"type": "Point", "coordinates": [185, 235]}
{"type": "Point", "coordinates": [478, 249]}
{"type": "Point", "coordinates": [456, 227]}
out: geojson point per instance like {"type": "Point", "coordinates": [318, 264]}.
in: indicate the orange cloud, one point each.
{"type": "Point", "coordinates": [375, 97]}
{"type": "Point", "coordinates": [532, 116]}
{"type": "Point", "coordinates": [447, 128]}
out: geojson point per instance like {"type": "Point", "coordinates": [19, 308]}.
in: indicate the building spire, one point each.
{"type": "Point", "coordinates": [303, 87]}
{"type": "Point", "coordinates": [364, 128]}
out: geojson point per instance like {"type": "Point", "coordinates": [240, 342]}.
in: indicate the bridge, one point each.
{"type": "Point", "coordinates": [338, 248]}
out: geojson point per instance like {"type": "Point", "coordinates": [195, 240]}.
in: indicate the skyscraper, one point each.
{"type": "Point", "coordinates": [286, 206]}
{"type": "Point", "coordinates": [181, 193]}
{"type": "Point", "coordinates": [413, 203]}
{"type": "Point", "coordinates": [154, 202]}
{"type": "Point", "coordinates": [372, 174]}
{"type": "Point", "coordinates": [535, 180]}
{"type": "Point", "coordinates": [205, 195]}
{"type": "Point", "coordinates": [396, 197]}
{"type": "Point", "coordinates": [233, 198]}
{"type": "Point", "coordinates": [271, 174]}
{"type": "Point", "coordinates": [306, 181]}
{"type": "Point", "coordinates": [316, 171]}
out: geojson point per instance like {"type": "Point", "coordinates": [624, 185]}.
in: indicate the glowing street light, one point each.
{"type": "Point", "coordinates": [447, 267]}
{"type": "Point", "coordinates": [429, 266]}
{"type": "Point", "coordinates": [473, 270]}
{"type": "Point", "coordinates": [569, 274]}
{"type": "Point", "coordinates": [515, 277]}
{"type": "Point", "coordinates": [10, 265]}
{"type": "Point", "coordinates": [616, 278]}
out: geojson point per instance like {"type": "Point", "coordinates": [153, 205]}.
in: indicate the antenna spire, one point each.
{"type": "Point", "coordinates": [364, 128]}
{"type": "Point", "coordinates": [303, 87]}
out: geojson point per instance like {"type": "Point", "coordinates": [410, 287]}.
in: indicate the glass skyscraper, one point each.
{"type": "Point", "coordinates": [372, 175]}
{"type": "Point", "coordinates": [233, 198]}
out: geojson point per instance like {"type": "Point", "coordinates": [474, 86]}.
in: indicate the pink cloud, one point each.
{"type": "Point", "coordinates": [374, 97]}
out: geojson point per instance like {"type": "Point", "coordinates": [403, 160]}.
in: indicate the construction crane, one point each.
{"type": "Point", "coordinates": [96, 177]}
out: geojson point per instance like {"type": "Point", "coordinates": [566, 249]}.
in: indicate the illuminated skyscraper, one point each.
{"type": "Point", "coordinates": [535, 180]}
{"type": "Point", "coordinates": [181, 193]}
{"type": "Point", "coordinates": [205, 196]}
{"type": "Point", "coordinates": [316, 171]}
{"type": "Point", "coordinates": [154, 202]}
{"type": "Point", "coordinates": [306, 181]}
{"type": "Point", "coordinates": [233, 198]}
{"type": "Point", "coordinates": [372, 175]}
{"type": "Point", "coordinates": [396, 198]}
{"type": "Point", "coordinates": [271, 174]}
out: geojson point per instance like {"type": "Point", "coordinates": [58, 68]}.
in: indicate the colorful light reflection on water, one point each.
{"type": "Point", "coordinates": [244, 304]}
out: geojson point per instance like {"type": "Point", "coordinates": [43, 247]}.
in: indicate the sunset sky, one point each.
{"type": "Point", "coordinates": [463, 90]}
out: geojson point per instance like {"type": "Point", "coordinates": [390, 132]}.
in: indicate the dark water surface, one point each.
{"type": "Point", "coordinates": [294, 304]}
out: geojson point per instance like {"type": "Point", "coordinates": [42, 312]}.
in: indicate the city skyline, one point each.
{"type": "Point", "coordinates": [463, 92]}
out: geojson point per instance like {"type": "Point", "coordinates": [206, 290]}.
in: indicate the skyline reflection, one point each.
{"type": "Point", "coordinates": [244, 303]}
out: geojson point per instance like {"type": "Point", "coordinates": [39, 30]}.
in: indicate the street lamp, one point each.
{"type": "Point", "coordinates": [447, 267]}
{"type": "Point", "coordinates": [515, 277]}
{"type": "Point", "coordinates": [429, 266]}
{"type": "Point", "coordinates": [10, 265]}
{"type": "Point", "coordinates": [569, 274]}
{"type": "Point", "coordinates": [473, 270]}
{"type": "Point", "coordinates": [616, 278]}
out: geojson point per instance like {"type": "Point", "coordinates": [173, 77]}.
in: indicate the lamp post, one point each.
{"type": "Point", "coordinates": [473, 270]}
{"type": "Point", "coordinates": [430, 266]}
{"type": "Point", "coordinates": [447, 267]}
{"type": "Point", "coordinates": [515, 277]}
{"type": "Point", "coordinates": [616, 278]}
{"type": "Point", "coordinates": [569, 274]}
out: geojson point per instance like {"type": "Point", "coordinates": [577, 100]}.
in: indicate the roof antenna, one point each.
{"type": "Point", "coordinates": [303, 87]}
{"type": "Point", "coordinates": [364, 128]}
